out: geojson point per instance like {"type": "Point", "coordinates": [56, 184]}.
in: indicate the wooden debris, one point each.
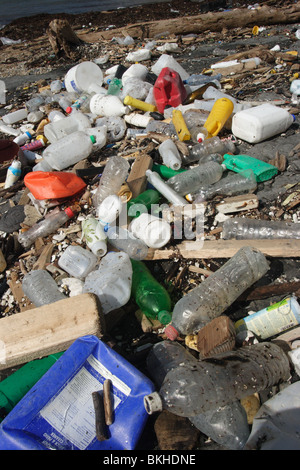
{"type": "Point", "coordinates": [175, 432]}
{"type": "Point", "coordinates": [18, 293]}
{"type": "Point", "coordinates": [62, 38]}
{"type": "Point", "coordinates": [137, 180]}
{"type": "Point", "coordinates": [216, 337]}
{"type": "Point", "coordinates": [101, 429]}
{"type": "Point", "coordinates": [49, 329]}
{"type": "Point", "coordinates": [238, 203]}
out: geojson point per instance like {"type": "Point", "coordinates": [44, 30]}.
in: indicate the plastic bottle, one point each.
{"type": "Point", "coordinates": [170, 154]}
{"type": "Point", "coordinates": [107, 105]}
{"type": "Point", "coordinates": [167, 60]}
{"type": "Point", "coordinates": [138, 55]}
{"type": "Point", "coordinates": [68, 150]}
{"type": "Point", "coordinates": [271, 320]}
{"type": "Point", "coordinates": [254, 229]}
{"type": "Point", "coordinates": [109, 210]}
{"type": "Point", "coordinates": [295, 87]}
{"type": "Point", "coordinates": [40, 288]}
{"type": "Point", "coordinates": [77, 261]}
{"type": "Point", "coordinates": [198, 133]}
{"type": "Point", "coordinates": [200, 79]}
{"type": "Point", "coordinates": [261, 122]}
{"type": "Point", "coordinates": [166, 190]}
{"type": "Point", "coordinates": [9, 130]}
{"type": "Point", "coordinates": [116, 127]}
{"type": "Point", "coordinates": [34, 103]}
{"type": "Point", "coordinates": [22, 138]}
{"type": "Point", "coordinates": [138, 120]}
{"type": "Point", "coordinates": [151, 297]}
{"type": "Point", "coordinates": [94, 235]}
{"type": "Point", "coordinates": [139, 104]}
{"type": "Point", "coordinates": [143, 202]}
{"type": "Point", "coordinates": [111, 282]}
{"type": "Point", "coordinates": [82, 103]}
{"type": "Point", "coordinates": [139, 71]}
{"type": "Point", "coordinates": [15, 116]}
{"type": "Point", "coordinates": [166, 172]}
{"type": "Point", "coordinates": [220, 113]}
{"type": "Point", "coordinates": [155, 232]}
{"type": "Point", "coordinates": [198, 93]}
{"type": "Point", "coordinates": [123, 240]}
{"type": "Point", "coordinates": [56, 115]}
{"type": "Point", "coordinates": [181, 128]}
{"type": "Point", "coordinates": [203, 174]}
{"type": "Point", "coordinates": [209, 146]}
{"type": "Point", "coordinates": [227, 425]}
{"type": "Point", "coordinates": [139, 90]}
{"type": "Point", "coordinates": [36, 144]}
{"type": "Point", "coordinates": [263, 171]}
{"type": "Point", "coordinates": [16, 385]}
{"type": "Point", "coordinates": [217, 292]}
{"type": "Point", "coordinates": [13, 174]}
{"type": "Point", "coordinates": [113, 176]}
{"type": "Point", "coordinates": [222, 379]}
{"type": "Point", "coordinates": [77, 121]}
{"type": "Point", "coordinates": [47, 226]}
{"type": "Point", "coordinates": [276, 424]}
{"type": "Point", "coordinates": [230, 185]}
{"type": "Point", "coordinates": [35, 116]}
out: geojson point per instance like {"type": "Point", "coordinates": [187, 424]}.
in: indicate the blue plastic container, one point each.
{"type": "Point", "coordinates": [58, 413]}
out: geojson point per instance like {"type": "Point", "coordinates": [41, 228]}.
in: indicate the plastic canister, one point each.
{"type": "Point", "coordinates": [77, 261]}
{"type": "Point", "coordinates": [58, 414]}
{"type": "Point", "coordinates": [271, 320]}
{"type": "Point", "coordinates": [221, 111]}
{"type": "Point", "coordinates": [107, 105]}
{"type": "Point", "coordinates": [168, 89]}
{"type": "Point", "coordinates": [80, 77]}
{"type": "Point", "coordinates": [155, 232]}
{"type": "Point", "coordinates": [261, 122]}
{"type": "Point", "coordinates": [135, 70]}
{"type": "Point", "coordinates": [170, 154]}
{"type": "Point", "coordinates": [56, 130]}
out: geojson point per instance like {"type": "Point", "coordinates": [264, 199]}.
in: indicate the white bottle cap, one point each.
{"type": "Point", "coordinates": [109, 209]}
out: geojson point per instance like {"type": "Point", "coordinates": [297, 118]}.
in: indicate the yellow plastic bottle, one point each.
{"type": "Point", "coordinates": [221, 111]}
{"type": "Point", "coordinates": [180, 125]}
{"type": "Point", "coordinates": [139, 104]}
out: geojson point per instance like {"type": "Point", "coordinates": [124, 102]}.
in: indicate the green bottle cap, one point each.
{"type": "Point", "coordinates": [93, 139]}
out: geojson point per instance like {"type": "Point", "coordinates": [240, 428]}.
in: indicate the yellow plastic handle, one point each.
{"type": "Point", "coordinates": [180, 125]}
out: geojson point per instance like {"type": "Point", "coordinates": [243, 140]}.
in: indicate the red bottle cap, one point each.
{"type": "Point", "coordinates": [68, 110]}
{"type": "Point", "coordinates": [69, 212]}
{"type": "Point", "coordinates": [171, 332]}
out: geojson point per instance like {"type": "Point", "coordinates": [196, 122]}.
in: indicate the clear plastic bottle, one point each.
{"type": "Point", "coordinates": [151, 296]}
{"type": "Point", "coordinates": [170, 154]}
{"type": "Point", "coordinates": [34, 103]}
{"type": "Point", "coordinates": [172, 196]}
{"type": "Point", "coordinates": [68, 151]}
{"type": "Point", "coordinates": [111, 282]}
{"type": "Point", "coordinates": [113, 176]}
{"type": "Point", "coordinates": [204, 174]}
{"type": "Point", "coordinates": [242, 228]}
{"type": "Point", "coordinates": [15, 116]}
{"type": "Point", "coordinates": [46, 226]}
{"type": "Point", "coordinates": [222, 379]}
{"type": "Point", "coordinates": [116, 127]}
{"type": "Point", "coordinates": [40, 288]}
{"type": "Point", "coordinates": [123, 240]}
{"type": "Point", "coordinates": [211, 298]}
{"type": "Point", "coordinates": [77, 261]}
{"type": "Point", "coordinates": [227, 425]}
{"type": "Point", "coordinates": [77, 121]}
{"type": "Point", "coordinates": [209, 146]}
{"type": "Point", "coordinates": [230, 185]}
{"type": "Point", "coordinates": [200, 79]}
{"type": "Point", "coordinates": [82, 103]}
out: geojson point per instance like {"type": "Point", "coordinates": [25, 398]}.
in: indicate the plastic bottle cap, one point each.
{"type": "Point", "coordinates": [69, 109]}
{"type": "Point", "coordinates": [93, 139]}
{"type": "Point", "coordinates": [164, 317]}
{"type": "Point", "coordinates": [69, 212]}
{"type": "Point", "coordinates": [171, 332]}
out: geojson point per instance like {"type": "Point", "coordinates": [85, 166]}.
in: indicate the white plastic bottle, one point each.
{"type": "Point", "coordinates": [114, 175]}
{"type": "Point", "coordinates": [94, 236]}
{"type": "Point", "coordinates": [15, 116]}
{"type": "Point", "coordinates": [21, 139]}
{"type": "Point", "coordinates": [109, 210]}
{"type": "Point", "coordinates": [77, 261]}
{"type": "Point", "coordinates": [111, 282]}
{"type": "Point", "coordinates": [123, 240]}
{"type": "Point", "coordinates": [13, 174]}
{"type": "Point", "coordinates": [69, 150]}
{"type": "Point", "coordinates": [155, 232]}
{"type": "Point", "coordinates": [56, 130]}
{"type": "Point", "coordinates": [170, 154]}
{"type": "Point", "coordinates": [261, 122]}
{"type": "Point", "coordinates": [107, 105]}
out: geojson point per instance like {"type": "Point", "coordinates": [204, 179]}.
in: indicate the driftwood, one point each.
{"type": "Point", "coordinates": [212, 21]}
{"type": "Point", "coordinates": [62, 38]}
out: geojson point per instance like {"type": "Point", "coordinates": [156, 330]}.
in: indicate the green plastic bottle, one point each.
{"type": "Point", "coordinates": [151, 297]}
{"type": "Point", "coordinates": [143, 202]}
{"type": "Point", "coordinates": [166, 172]}
{"type": "Point", "coordinates": [16, 385]}
{"type": "Point", "coordinates": [263, 171]}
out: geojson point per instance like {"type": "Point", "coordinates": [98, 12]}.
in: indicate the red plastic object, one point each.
{"type": "Point", "coordinates": [168, 89]}
{"type": "Point", "coordinates": [53, 185]}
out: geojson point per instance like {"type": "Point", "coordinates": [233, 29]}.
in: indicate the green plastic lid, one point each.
{"type": "Point", "coordinates": [93, 139]}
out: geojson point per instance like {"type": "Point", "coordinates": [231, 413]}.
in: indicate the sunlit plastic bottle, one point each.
{"type": "Point", "coordinates": [46, 226]}
{"type": "Point", "coordinates": [123, 240]}
{"type": "Point", "coordinates": [151, 296]}
{"type": "Point", "coordinates": [211, 298]}
{"type": "Point", "coordinates": [219, 380]}
{"type": "Point", "coordinates": [230, 185]}
{"type": "Point", "coordinates": [143, 202]}
{"type": "Point", "coordinates": [113, 176]}
{"type": "Point", "coordinates": [169, 193]}
{"type": "Point", "coordinates": [170, 154]}
{"type": "Point", "coordinates": [227, 425]}
{"type": "Point", "coordinates": [40, 288]}
{"type": "Point", "coordinates": [200, 79]}
{"type": "Point", "coordinates": [245, 229]}
{"type": "Point", "coordinates": [204, 174]}
{"type": "Point", "coordinates": [77, 121]}
{"type": "Point", "coordinates": [207, 147]}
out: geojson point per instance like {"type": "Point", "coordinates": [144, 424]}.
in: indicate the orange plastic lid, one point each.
{"type": "Point", "coordinates": [53, 185]}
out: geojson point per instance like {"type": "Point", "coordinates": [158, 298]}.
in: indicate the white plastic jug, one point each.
{"type": "Point", "coordinates": [80, 77]}
{"type": "Point", "coordinates": [107, 105]}
{"type": "Point", "coordinates": [94, 235]}
{"type": "Point", "coordinates": [261, 122]}
{"type": "Point", "coordinates": [155, 232]}
{"type": "Point", "coordinates": [77, 261]}
{"type": "Point", "coordinates": [58, 129]}
{"type": "Point", "coordinates": [109, 209]}
{"type": "Point", "coordinates": [112, 281]}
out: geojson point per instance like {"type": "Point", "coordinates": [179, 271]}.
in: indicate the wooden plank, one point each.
{"type": "Point", "coordinates": [282, 248]}
{"type": "Point", "coordinates": [137, 180]}
{"type": "Point", "coordinates": [49, 329]}
{"type": "Point", "coordinates": [238, 203]}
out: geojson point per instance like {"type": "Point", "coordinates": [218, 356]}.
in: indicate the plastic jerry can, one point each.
{"type": "Point", "coordinates": [261, 122]}
{"type": "Point", "coordinates": [58, 412]}
{"type": "Point", "coordinates": [263, 171]}
{"type": "Point", "coordinates": [77, 261]}
{"type": "Point", "coordinates": [168, 89]}
{"type": "Point", "coordinates": [221, 111]}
